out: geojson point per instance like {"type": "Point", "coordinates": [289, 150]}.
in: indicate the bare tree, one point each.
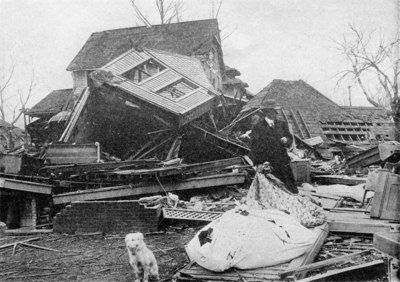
{"type": "Point", "coordinates": [215, 10]}
{"type": "Point", "coordinates": [168, 11]}
{"type": "Point", "coordinates": [373, 62]}
{"type": "Point", "coordinates": [13, 106]}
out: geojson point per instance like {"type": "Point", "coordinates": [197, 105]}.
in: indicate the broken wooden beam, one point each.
{"type": "Point", "coordinates": [222, 142]}
{"type": "Point", "coordinates": [174, 150]}
{"type": "Point", "coordinates": [338, 179]}
{"type": "Point", "coordinates": [38, 247]}
{"type": "Point", "coordinates": [324, 263]}
{"type": "Point", "coordinates": [183, 169]}
{"type": "Point", "coordinates": [310, 255]}
{"type": "Point", "coordinates": [81, 168]}
{"type": "Point", "coordinates": [373, 155]}
{"type": "Point", "coordinates": [159, 145]}
{"type": "Point", "coordinates": [26, 186]}
{"type": "Point", "coordinates": [19, 242]}
{"type": "Point", "coordinates": [130, 190]}
{"type": "Point", "coordinates": [356, 222]}
{"type": "Point", "coordinates": [388, 243]}
{"type": "Point", "coordinates": [334, 272]}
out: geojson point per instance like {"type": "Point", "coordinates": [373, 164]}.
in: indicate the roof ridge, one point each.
{"type": "Point", "coordinates": [172, 54]}
{"type": "Point", "coordinates": [155, 25]}
{"type": "Point", "coordinates": [62, 89]}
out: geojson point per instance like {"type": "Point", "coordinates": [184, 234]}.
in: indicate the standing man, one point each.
{"type": "Point", "coordinates": [269, 139]}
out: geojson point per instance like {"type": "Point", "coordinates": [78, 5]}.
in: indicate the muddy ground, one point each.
{"type": "Point", "coordinates": [104, 258]}
{"type": "Point", "coordinates": [88, 257]}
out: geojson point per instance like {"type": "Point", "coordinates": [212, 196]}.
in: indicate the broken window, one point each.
{"type": "Point", "coordinates": [178, 89]}
{"type": "Point", "coordinates": [144, 71]}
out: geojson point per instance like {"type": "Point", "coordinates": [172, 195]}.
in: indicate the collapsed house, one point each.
{"type": "Point", "coordinates": [138, 119]}
{"type": "Point", "coordinates": [143, 101]}
{"type": "Point", "coordinates": [312, 114]}
{"type": "Point", "coordinates": [111, 50]}
{"type": "Point", "coordinates": [315, 119]}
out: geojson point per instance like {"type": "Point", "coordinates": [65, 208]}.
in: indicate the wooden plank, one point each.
{"type": "Point", "coordinates": [343, 270]}
{"type": "Point", "coordinates": [80, 168]}
{"type": "Point", "coordinates": [184, 169]}
{"type": "Point", "coordinates": [339, 179]}
{"type": "Point", "coordinates": [19, 242]}
{"type": "Point", "coordinates": [26, 186]}
{"type": "Point", "coordinates": [296, 123]}
{"type": "Point", "coordinates": [263, 273]}
{"type": "Point", "coordinates": [129, 190]}
{"type": "Point", "coordinates": [320, 264]}
{"type": "Point", "coordinates": [174, 150]}
{"type": "Point", "coordinates": [132, 155]}
{"type": "Point", "coordinates": [285, 116]}
{"type": "Point", "coordinates": [349, 210]}
{"type": "Point", "coordinates": [311, 254]}
{"type": "Point", "coordinates": [38, 247]}
{"type": "Point", "coordinates": [364, 159]}
{"type": "Point", "coordinates": [354, 222]}
{"type": "Point", "coordinates": [304, 124]}
{"type": "Point", "coordinates": [228, 143]}
{"type": "Point", "coordinates": [389, 243]}
{"type": "Point", "coordinates": [75, 115]}
{"type": "Point", "coordinates": [153, 149]}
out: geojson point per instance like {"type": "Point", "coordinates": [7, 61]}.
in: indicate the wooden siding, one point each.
{"type": "Point", "coordinates": [161, 80]}
{"type": "Point", "coordinates": [196, 112]}
{"type": "Point", "coordinates": [127, 61]}
{"type": "Point", "coordinates": [80, 79]}
{"type": "Point", "coordinates": [150, 97]}
{"type": "Point", "coordinates": [194, 99]}
{"type": "Point", "coordinates": [190, 67]}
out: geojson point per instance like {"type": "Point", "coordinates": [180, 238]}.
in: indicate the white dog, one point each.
{"type": "Point", "coordinates": [141, 258]}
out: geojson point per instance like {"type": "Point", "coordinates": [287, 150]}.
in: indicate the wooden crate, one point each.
{"type": "Point", "coordinates": [386, 201]}
{"type": "Point", "coordinates": [301, 170]}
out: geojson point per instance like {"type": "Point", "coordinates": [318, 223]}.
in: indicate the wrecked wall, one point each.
{"type": "Point", "coordinates": [107, 217]}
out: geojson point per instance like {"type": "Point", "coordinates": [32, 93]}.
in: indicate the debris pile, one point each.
{"type": "Point", "coordinates": [155, 124]}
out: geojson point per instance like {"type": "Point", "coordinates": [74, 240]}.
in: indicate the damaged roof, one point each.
{"type": "Point", "coordinates": [367, 113]}
{"type": "Point", "coordinates": [313, 114]}
{"type": "Point", "coordinates": [300, 95]}
{"type": "Point", "coordinates": [51, 104]}
{"type": "Point", "coordinates": [185, 38]}
{"type": "Point", "coordinates": [177, 69]}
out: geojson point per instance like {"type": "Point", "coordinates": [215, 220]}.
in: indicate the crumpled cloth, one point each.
{"type": "Point", "coordinates": [268, 192]}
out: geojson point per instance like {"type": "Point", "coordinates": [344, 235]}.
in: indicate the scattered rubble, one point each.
{"type": "Point", "coordinates": [158, 140]}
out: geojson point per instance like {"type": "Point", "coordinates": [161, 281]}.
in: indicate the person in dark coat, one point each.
{"type": "Point", "coordinates": [269, 139]}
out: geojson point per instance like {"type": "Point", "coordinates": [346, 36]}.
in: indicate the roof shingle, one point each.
{"type": "Point", "coordinates": [51, 104]}
{"type": "Point", "coordinates": [185, 38]}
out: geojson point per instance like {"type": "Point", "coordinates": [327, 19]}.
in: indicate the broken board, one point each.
{"type": "Point", "coordinates": [130, 190]}
{"type": "Point", "coordinates": [356, 222]}
{"type": "Point", "coordinates": [194, 272]}
{"type": "Point", "coordinates": [338, 179]}
{"type": "Point", "coordinates": [389, 243]}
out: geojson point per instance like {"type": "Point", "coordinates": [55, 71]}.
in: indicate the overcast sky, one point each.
{"type": "Point", "coordinates": [267, 39]}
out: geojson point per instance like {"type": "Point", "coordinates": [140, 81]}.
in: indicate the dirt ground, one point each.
{"type": "Point", "coordinates": [88, 258]}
